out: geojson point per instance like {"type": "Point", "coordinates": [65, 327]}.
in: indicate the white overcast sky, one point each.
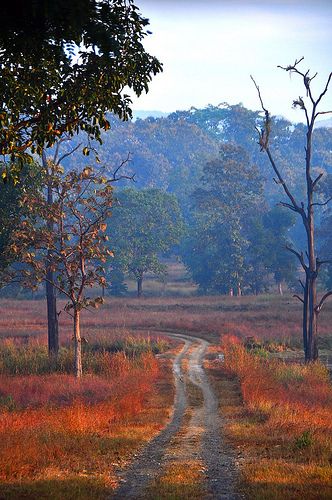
{"type": "Point", "coordinates": [210, 48]}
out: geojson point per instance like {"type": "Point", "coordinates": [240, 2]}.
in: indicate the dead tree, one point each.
{"type": "Point", "coordinates": [308, 260]}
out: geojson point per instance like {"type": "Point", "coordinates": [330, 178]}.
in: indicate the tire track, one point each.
{"type": "Point", "coordinates": [137, 476]}
{"type": "Point", "coordinates": [174, 446]}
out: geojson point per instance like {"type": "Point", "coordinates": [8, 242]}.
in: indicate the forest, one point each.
{"type": "Point", "coordinates": [204, 169]}
{"type": "Point", "coordinates": [164, 276]}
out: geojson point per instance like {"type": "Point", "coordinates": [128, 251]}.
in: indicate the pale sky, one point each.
{"type": "Point", "coordinates": [209, 49]}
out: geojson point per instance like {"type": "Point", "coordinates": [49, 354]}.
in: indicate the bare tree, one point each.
{"type": "Point", "coordinates": [308, 260]}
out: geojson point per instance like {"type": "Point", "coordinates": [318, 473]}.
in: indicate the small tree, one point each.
{"type": "Point", "coordinates": [75, 243]}
{"type": "Point", "coordinates": [145, 224]}
{"type": "Point", "coordinates": [308, 260]}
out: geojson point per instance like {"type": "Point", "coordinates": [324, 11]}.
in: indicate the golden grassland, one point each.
{"type": "Point", "coordinates": [278, 418]}
{"type": "Point", "coordinates": [64, 439]}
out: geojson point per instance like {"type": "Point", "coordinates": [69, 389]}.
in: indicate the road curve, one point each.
{"type": "Point", "coordinates": [219, 464]}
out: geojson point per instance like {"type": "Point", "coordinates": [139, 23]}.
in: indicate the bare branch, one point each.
{"type": "Point", "coordinates": [259, 95]}
{"type": "Point", "coordinates": [114, 177]}
{"type": "Point", "coordinates": [287, 205]}
{"type": "Point", "coordinates": [298, 255]}
{"type": "Point", "coordinates": [292, 67]}
{"type": "Point", "coordinates": [298, 297]}
{"type": "Point", "coordinates": [302, 284]}
{"type": "Point", "coordinates": [65, 155]}
{"type": "Point", "coordinates": [320, 263]}
{"type": "Point", "coordinates": [322, 204]}
{"type": "Point", "coordinates": [323, 113]}
{"type": "Point", "coordinates": [317, 180]}
{"type": "Point", "coordinates": [323, 299]}
{"type": "Point", "coordinates": [325, 89]}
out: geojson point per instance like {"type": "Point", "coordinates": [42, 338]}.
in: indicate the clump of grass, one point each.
{"type": "Point", "coordinates": [304, 440]}
{"type": "Point", "coordinates": [130, 345]}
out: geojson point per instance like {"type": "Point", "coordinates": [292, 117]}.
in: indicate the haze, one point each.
{"type": "Point", "coordinates": [209, 49]}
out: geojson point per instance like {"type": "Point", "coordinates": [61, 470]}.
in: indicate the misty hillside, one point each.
{"type": "Point", "coordinates": [170, 152]}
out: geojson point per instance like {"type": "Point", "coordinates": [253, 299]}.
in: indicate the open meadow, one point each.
{"type": "Point", "coordinates": [61, 437]}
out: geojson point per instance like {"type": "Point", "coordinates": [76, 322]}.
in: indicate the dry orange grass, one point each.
{"type": "Point", "coordinates": [279, 414]}
{"type": "Point", "coordinates": [62, 432]}
{"type": "Point", "coordinates": [282, 423]}
{"type": "Point", "coordinates": [267, 317]}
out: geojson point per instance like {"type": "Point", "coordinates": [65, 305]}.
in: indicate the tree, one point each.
{"type": "Point", "coordinates": [268, 234]}
{"type": "Point", "coordinates": [308, 260]}
{"type": "Point", "coordinates": [145, 224]}
{"type": "Point", "coordinates": [12, 209]}
{"type": "Point", "coordinates": [230, 192]}
{"type": "Point", "coordinates": [64, 65]}
{"type": "Point", "coordinates": [75, 243]}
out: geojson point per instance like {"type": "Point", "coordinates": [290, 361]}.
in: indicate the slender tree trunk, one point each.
{"type": "Point", "coordinates": [305, 319]}
{"type": "Point", "coordinates": [311, 275]}
{"type": "Point", "coordinates": [140, 286]}
{"type": "Point", "coordinates": [231, 292]}
{"type": "Point", "coordinates": [239, 290]}
{"type": "Point", "coordinates": [78, 344]}
{"type": "Point", "coordinates": [52, 316]}
{"type": "Point", "coordinates": [280, 290]}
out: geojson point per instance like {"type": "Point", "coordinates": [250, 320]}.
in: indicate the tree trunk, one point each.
{"type": "Point", "coordinates": [305, 319]}
{"type": "Point", "coordinates": [311, 272]}
{"type": "Point", "coordinates": [231, 292]}
{"type": "Point", "coordinates": [280, 290]}
{"type": "Point", "coordinates": [140, 286]}
{"type": "Point", "coordinates": [52, 317]}
{"type": "Point", "coordinates": [78, 344]}
{"type": "Point", "coordinates": [239, 290]}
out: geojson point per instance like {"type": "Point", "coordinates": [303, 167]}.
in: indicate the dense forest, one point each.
{"type": "Point", "coordinates": [209, 159]}
{"type": "Point", "coordinates": [204, 166]}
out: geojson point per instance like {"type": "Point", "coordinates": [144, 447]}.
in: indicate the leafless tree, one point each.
{"type": "Point", "coordinates": [308, 259]}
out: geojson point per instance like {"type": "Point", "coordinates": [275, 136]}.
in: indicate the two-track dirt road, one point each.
{"type": "Point", "coordinates": [194, 433]}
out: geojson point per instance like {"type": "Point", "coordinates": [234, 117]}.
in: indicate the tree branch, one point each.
{"type": "Point", "coordinates": [323, 299]}
{"type": "Point", "coordinates": [298, 297]}
{"type": "Point", "coordinates": [298, 255]}
{"type": "Point", "coordinates": [322, 204]}
{"type": "Point", "coordinates": [68, 153]}
{"type": "Point", "coordinates": [317, 180]}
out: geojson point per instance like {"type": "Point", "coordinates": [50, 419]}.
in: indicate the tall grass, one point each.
{"type": "Point", "coordinates": [285, 424]}
{"type": "Point", "coordinates": [32, 358]}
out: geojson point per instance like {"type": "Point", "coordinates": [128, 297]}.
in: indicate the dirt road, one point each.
{"type": "Point", "coordinates": [194, 435]}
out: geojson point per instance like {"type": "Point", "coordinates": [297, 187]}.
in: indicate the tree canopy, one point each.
{"type": "Point", "coordinates": [64, 65]}
{"type": "Point", "coordinates": [145, 224]}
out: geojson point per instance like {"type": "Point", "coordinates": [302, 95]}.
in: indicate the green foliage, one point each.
{"type": "Point", "coordinates": [230, 192]}
{"type": "Point", "coordinates": [145, 224]}
{"type": "Point", "coordinates": [267, 234]}
{"type": "Point", "coordinates": [64, 65]}
{"type": "Point", "coordinates": [12, 209]}
{"type": "Point", "coordinates": [305, 440]}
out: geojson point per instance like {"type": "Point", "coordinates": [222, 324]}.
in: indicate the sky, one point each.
{"type": "Point", "coordinates": [210, 48]}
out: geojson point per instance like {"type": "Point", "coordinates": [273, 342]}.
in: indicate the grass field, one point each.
{"type": "Point", "coordinates": [61, 438]}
